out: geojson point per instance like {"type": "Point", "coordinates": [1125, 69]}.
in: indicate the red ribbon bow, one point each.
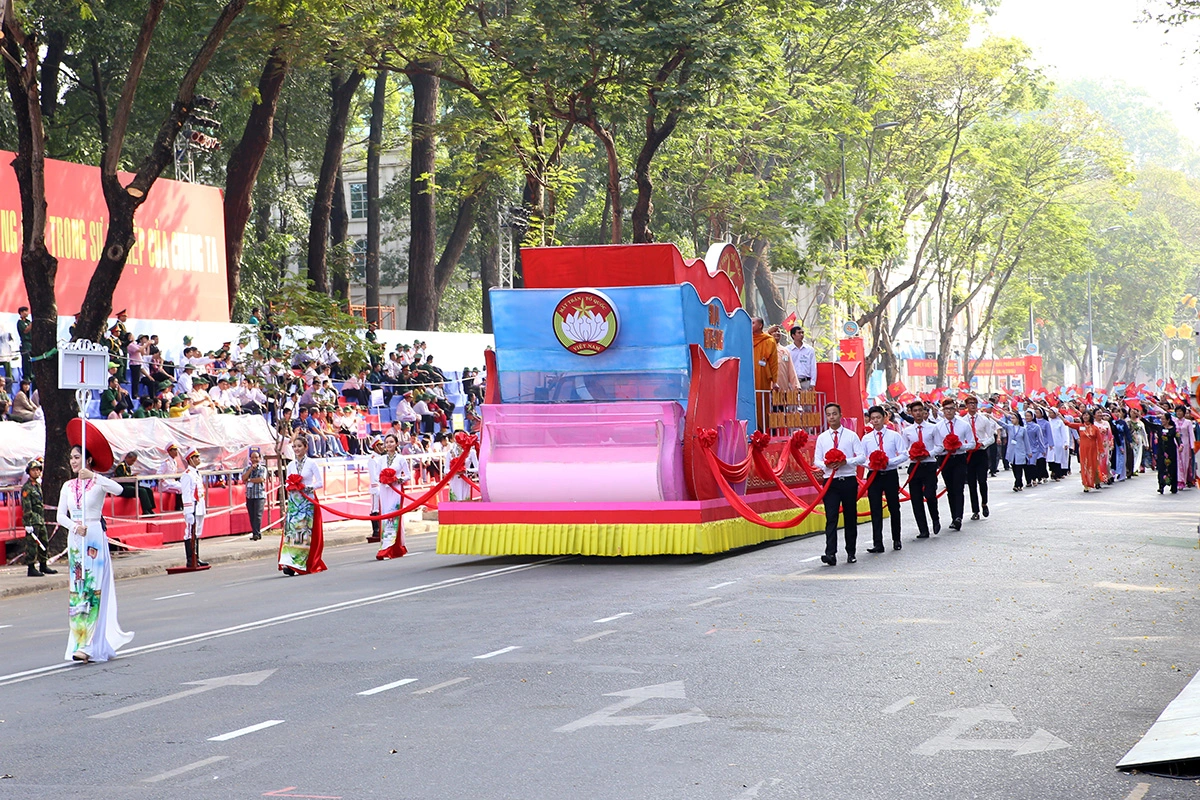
{"type": "Point", "coordinates": [706, 437]}
{"type": "Point", "coordinates": [295, 483]}
{"type": "Point", "coordinates": [834, 458]}
{"type": "Point", "coordinates": [387, 476]}
{"type": "Point", "coordinates": [466, 440]}
{"type": "Point", "coordinates": [800, 438]}
{"type": "Point", "coordinates": [759, 440]}
{"type": "Point", "coordinates": [878, 460]}
{"type": "Point", "coordinates": [952, 443]}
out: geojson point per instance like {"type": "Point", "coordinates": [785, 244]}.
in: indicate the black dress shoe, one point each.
{"type": "Point", "coordinates": [975, 517]}
{"type": "Point", "coordinates": [956, 525]}
{"type": "Point", "coordinates": [985, 511]}
{"type": "Point", "coordinates": [896, 545]}
{"type": "Point", "coordinates": [829, 561]}
{"type": "Point", "coordinates": [922, 535]}
{"type": "Point", "coordinates": [289, 571]}
{"type": "Point", "coordinates": [851, 560]}
{"type": "Point", "coordinates": [874, 550]}
{"type": "Point", "coordinates": [48, 571]}
{"type": "Point", "coordinates": [937, 528]}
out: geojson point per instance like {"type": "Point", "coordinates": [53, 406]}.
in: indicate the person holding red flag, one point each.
{"type": "Point", "coordinates": [884, 451]}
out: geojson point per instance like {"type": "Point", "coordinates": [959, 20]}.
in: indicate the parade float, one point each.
{"type": "Point", "coordinates": [620, 415]}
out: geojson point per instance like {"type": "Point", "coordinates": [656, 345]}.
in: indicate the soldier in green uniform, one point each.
{"type": "Point", "coordinates": [33, 515]}
{"type": "Point", "coordinates": [25, 338]}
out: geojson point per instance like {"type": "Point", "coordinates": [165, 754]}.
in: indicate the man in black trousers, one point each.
{"type": "Point", "coordinates": [923, 443]}
{"type": "Point", "coordinates": [838, 453]}
{"type": "Point", "coordinates": [885, 480]}
{"type": "Point", "coordinates": [955, 472]}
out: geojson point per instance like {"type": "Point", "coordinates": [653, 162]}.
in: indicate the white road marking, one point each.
{"type": "Point", "coordinates": [162, 776]}
{"type": "Point", "coordinates": [294, 616]}
{"type": "Point", "coordinates": [615, 616]}
{"type": "Point", "coordinates": [440, 686]}
{"type": "Point", "coordinates": [806, 560]}
{"type": "Point", "coordinates": [901, 704]}
{"type": "Point", "coordinates": [501, 651]}
{"type": "Point", "coordinates": [387, 686]}
{"type": "Point", "coordinates": [965, 719]}
{"type": "Point", "coordinates": [632, 697]}
{"type": "Point", "coordinates": [719, 585]}
{"type": "Point", "coordinates": [207, 685]}
{"type": "Point", "coordinates": [704, 602]}
{"type": "Point", "coordinates": [173, 596]}
{"type": "Point", "coordinates": [1138, 792]}
{"type": "Point", "coordinates": [5, 626]}
{"type": "Point", "coordinates": [225, 737]}
{"type": "Point", "coordinates": [596, 635]}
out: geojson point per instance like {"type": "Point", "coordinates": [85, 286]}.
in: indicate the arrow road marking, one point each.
{"type": "Point", "coordinates": [607, 716]}
{"type": "Point", "coordinates": [225, 737]}
{"type": "Point", "coordinates": [387, 686]}
{"type": "Point", "coordinates": [966, 718]}
{"type": "Point", "coordinates": [207, 685]}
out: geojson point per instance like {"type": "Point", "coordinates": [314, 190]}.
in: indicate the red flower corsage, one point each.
{"type": "Point", "coordinates": [387, 476]}
{"type": "Point", "coordinates": [295, 483]}
{"type": "Point", "coordinates": [918, 451]}
{"type": "Point", "coordinates": [951, 443]}
{"type": "Point", "coordinates": [835, 458]}
{"type": "Point", "coordinates": [878, 461]}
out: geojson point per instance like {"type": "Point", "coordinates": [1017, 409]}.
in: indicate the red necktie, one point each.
{"type": "Point", "coordinates": [974, 435]}
{"type": "Point", "coordinates": [835, 439]}
{"type": "Point", "coordinates": [920, 433]}
{"type": "Point", "coordinates": [881, 440]}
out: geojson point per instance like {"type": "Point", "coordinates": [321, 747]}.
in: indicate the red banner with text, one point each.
{"type": "Point", "coordinates": [175, 271]}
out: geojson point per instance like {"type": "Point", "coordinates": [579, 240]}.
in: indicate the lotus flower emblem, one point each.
{"type": "Point", "coordinates": [585, 322]}
{"type": "Point", "coordinates": [585, 326]}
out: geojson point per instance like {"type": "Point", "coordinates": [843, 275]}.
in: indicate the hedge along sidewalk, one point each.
{"type": "Point", "coordinates": [218, 550]}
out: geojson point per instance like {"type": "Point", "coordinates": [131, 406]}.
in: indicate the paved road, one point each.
{"type": "Point", "coordinates": [1019, 658]}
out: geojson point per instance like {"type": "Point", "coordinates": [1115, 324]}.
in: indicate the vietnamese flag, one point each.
{"type": "Point", "coordinates": [788, 321]}
{"type": "Point", "coordinates": [896, 389]}
{"type": "Point", "coordinates": [1134, 403]}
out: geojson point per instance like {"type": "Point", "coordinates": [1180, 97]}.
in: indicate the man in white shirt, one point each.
{"type": "Point", "coordinates": [183, 384]}
{"type": "Point", "coordinates": [194, 509]}
{"type": "Point", "coordinates": [886, 481]}
{"type": "Point", "coordinates": [404, 409]}
{"type": "Point", "coordinates": [842, 495]}
{"type": "Point", "coordinates": [954, 473]}
{"type": "Point", "coordinates": [922, 485]}
{"type": "Point", "coordinates": [979, 432]}
{"type": "Point", "coordinates": [804, 358]}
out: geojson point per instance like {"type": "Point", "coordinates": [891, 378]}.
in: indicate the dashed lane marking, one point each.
{"type": "Point", "coordinates": [501, 651]}
{"type": "Point", "coordinates": [387, 686]}
{"type": "Point", "coordinates": [719, 585]}
{"type": "Point", "coordinates": [435, 688]}
{"type": "Point", "coordinates": [595, 635]}
{"type": "Point", "coordinates": [614, 616]}
{"type": "Point", "coordinates": [173, 596]}
{"type": "Point", "coordinates": [900, 705]}
{"type": "Point", "coordinates": [704, 602]}
{"type": "Point", "coordinates": [162, 776]}
{"type": "Point", "coordinates": [225, 737]}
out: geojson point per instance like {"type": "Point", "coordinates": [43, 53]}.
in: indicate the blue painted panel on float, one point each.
{"type": "Point", "coordinates": [542, 346]}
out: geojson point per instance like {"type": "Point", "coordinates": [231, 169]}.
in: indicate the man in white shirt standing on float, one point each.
{"type": "Point", "coordinates": [804, 358]}
{"type": "Point", "coordinates": [839, 453]}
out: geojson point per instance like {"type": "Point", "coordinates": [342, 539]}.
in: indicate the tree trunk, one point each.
{"type": "Point", "coordinates": [750, 268]}
{"type": "Point", "coordinates": [374, 151]}
{"type": "Point", "coordinates": [241, 173]}
{"type": "Point", "coordinates": [422, 283]}
{"type": "Point", "coordinates": [643, 208]}
{"type": "Point", "coordinates": [56, 49]}
{"type": "Point", "coordinates": [341, 95]}
{"type": "Point", "coordinates": [772, 309]}
{"type": "Point", "coordinates": [464, 221]}
{"type": "Point", "coordinates": [339, 238]}
{"type": "Point", "coordinates": [489, 256]}
{"type": "Point", "coordinates": [613, 201]}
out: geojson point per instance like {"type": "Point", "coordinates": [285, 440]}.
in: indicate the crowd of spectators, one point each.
{"type": "Point", "coordinates": [305, 387]}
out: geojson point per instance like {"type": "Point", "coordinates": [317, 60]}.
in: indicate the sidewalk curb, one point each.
{"type": "Point", "coordinates": [135, 570]}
